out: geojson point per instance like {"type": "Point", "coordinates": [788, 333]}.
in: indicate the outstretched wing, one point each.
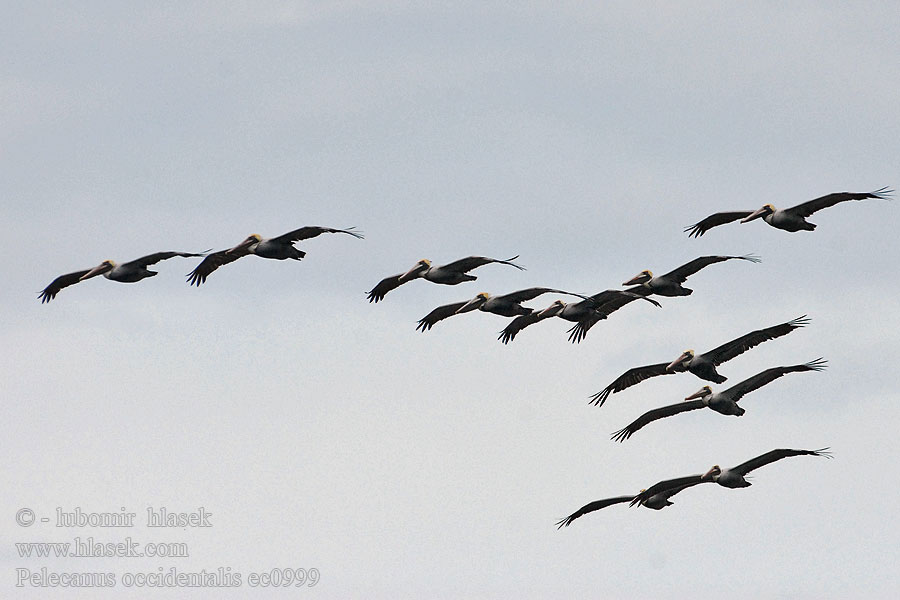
{"type": "Point", "coordinates": [152, 259]}
{"type": "Point", "coordinates": [438, 314]}
{"type": "Point", "coordinates": [464, 265]}
{"type": "Point", "coordinates": [773, 455]}
{"type": "Point", "coordinates": [212, 262]}
{"type": "Point", "coordinates": [532, 293]}
{"type": "Point", "coordinates": [686, 270]}
{"type": "Point", "coordinates": [714, 220]}
{"type": "Point", "coordinates": [654, 415]}
{"type": "Point", "coordinates": [629, 378]}
{"type": "Point", "coordinates": [738, 346]}
{"type": "Point", "coordinates": [808, 208]}
{"type": "Point", "coordinates": [518, 324]}
{"type": "Point", "coordinates": [63, 281]}
{"type": "Point", "coordinates": [384, 286]}
{"type": "Point", "coordinates": [305, 233]}
{"type": "Point", "coordinates": [587, 508]}
{"type": "Point", "coordinates": [665, 486]}
{"type": "Point", "coordinates": [738, 391]}
{"type": "Point", "coordinates": [604, 304]}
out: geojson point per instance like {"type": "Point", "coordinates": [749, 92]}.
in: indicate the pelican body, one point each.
{"type": "Point", "coordinates": [129, 272]}
{"type": "Point", "coordinates": [724, 402]}
{"type": "Point", "coordinates": [669, 284]}
{"type": "Point", "coordinates": [278, 248]}
{"type": "Point", "coordinates": [791, 219]}
{"type": "Point", "coordinates": [449, 274]}
{"type": "Point", "coordinates": [702, 365]}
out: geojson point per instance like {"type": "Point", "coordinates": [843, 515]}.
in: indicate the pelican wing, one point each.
{"type": "Point", "coordinates": [587, 508]}
{"type": "Point", "coordinates": [152, 259]}
{"type": "Point", "coordinates": [464, 265]}
{"type": "Point", "coordinates": [676, 484]}
{"type": "Point", "coordinates": [305, 233]}
{"type": "Point", "coordinates": [773, 455]}
{"type": "Point", "coordinates": [714, 220]}
{"type": "Point", "coordinates": [686, 270]}
{"type": "Point", "coordinates": [738, 346]}
{"type": "Point", "coordinates": [654, 415]}
{"type": "Point", "coordinates": [212, 262]}
{"type": "Point", "coordinates": [518, 324]}
{"type": "Point", "coordinates": [532, 293]}
{"type": "Point", "coordinates": [384, 286]}
{"type": "Point", "coordinates": [438, 314]}
{"type": "Point", "coordinates": [63, 281]}
{"type": "Point", "coordinates": [737, 391]}
{"type": "Point", "coordinates": [629, 378]}
{"type": "Point", "coordinates": [808, 208]}
{"type": "Point", "coordinates": [580, 330]}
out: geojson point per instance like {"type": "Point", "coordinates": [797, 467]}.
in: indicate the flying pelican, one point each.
{"type": "Point", "coordinates": [506, 305]}
{"type": "Point", "coordinates": [734, 477]}
{"type": "Point", "coordinates": [129, 272]}
{"type": "Point", "coordinates": [702, 365]}
{"type": "Point", "coordinates": [586, 312]}
{"type": "Point", "coordinates": [657, 502]}
{"type": "Point", "coordinates": [449, 274]}
{"type": "Point", "coordinates": [790, 219]}
{"type": "Point", "coordinates": [724, 402]}
{"type": "Point", "coordinates": [279, 248]}
{"type": "Point", "coordinates": [670, 283]}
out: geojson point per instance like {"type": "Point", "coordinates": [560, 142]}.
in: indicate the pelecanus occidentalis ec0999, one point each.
{"type": "Point", "coordinates": [129, 272]}
{"type": "Point", "coordinates": [789, 219]}
{"type": "Point", "coordinates": [702, 365]}
{"type": "Point", "coordinates": [724, 402]}
{"type": "Point", "coordinates": [279, 248]}
{"type": "Point", "coordinates": [449, 274]}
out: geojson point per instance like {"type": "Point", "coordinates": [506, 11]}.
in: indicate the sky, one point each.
{"type": "Point", "coordinates": [324, 432]}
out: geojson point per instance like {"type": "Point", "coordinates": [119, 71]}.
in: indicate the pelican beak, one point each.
{"type": "Point", "coordinates": [684, 356]}
{"type": "Point", "coordinates": [551, 311]}
{"type": "Point", "coordinates": [698, 394]}
{"type": "Point", "coordinates": [755, 215]}
{"type": "Point", "coordinates": [416, 271]}
{"type": "Point", "coordinates": [708, 474]}
{"type": "Point", "coordinates": [642, 277]}
{"type": "Point", "coordinates": [472, 304]}
{"type": "Point", "coordinates": [98, 270]}
{"type": "Point", "coordinates": [245, 244]}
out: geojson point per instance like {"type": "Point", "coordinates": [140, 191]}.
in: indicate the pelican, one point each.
{"type": "Point", "coordinates": [584, 313]}
{"type": "Point", "coordinates": [670, 283]}
{"type": "Point", "coordinates": [279, 248]}
{"type": "Point", "coordinates": [129, 272]}
{"type": "Point", "coordinates": [702, 365]}
{"type": "Point", "coordinates": [730, 478]}
{"type": "Point", "coordinates": [789, 219]}
{"type": "Point", "coordinates": [506, 305]}
{"type": "Point", "coordinates": [657, 501]}
{"type": "Point", "coordinates": [724, 402]}
{"type": "Point", "coordinates": [449, 274]}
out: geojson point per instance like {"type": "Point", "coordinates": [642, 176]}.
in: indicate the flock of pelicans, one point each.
{"type": "Point", "coordinates": [583, 313]}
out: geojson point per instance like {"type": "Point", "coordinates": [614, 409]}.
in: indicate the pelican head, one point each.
{"type": "Point", "coordinates": [475, 303]}
{"type": "Point", "coordinates": [701, 393]}
{"type": "Point", "coordinates": [642, 277]}
{"type": "Point", "coordinates": [767, 209]}
{"type": "Point", "coordinates": [686, 356]}
{"type": "Point", "coordinates": [417, 271]}
{"type": "Point", "coordinates": [552, 310]}
{"type": "Point", "coordinates": [250, 241]}
{"type": "Point", "coordinates": [104, 267]}
{"type": "Point", "coordinates": [714, 472]}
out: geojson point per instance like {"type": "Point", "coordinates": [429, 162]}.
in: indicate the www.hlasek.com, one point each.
{"type": "Point", "coordinates": [222, 577]}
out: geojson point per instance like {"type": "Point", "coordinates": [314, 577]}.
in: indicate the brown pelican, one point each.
{"type": "Point", "coordinates": [507, 305]}
{"type": "Point", "coordinates": [702, 365]}
{"type": "Point", "coordinates": [657, 502]}
{"type": "Point", "coordinates": [790, 219]}
{"type": "Point", "coordinates": [670, 283]}
{"type": "Point", "coordinates": [449, 274]}
{"type": "Point", "coordinates": [585, 313]}
{"type": "Point", "coordinates": [730, 478]}
{"type": "Point", "coordinates": [724, 402]}
{"type": "Point", "coordinates": [129, 272]}
{"type": "Point", "coordinates": [279, 248]}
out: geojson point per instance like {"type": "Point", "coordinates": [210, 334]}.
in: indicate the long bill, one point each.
{"type": "Point", "coordinates": [684, 356]}
{"type": "Point", "coordinates": [755, 215]}
{"type": "Point", "coordinates": [471, 305]}
{"type": "Point", "coordinates": [98, 270]}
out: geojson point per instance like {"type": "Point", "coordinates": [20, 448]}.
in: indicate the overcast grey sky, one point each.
{"type": "Point", "coordinates": [325, 432]}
